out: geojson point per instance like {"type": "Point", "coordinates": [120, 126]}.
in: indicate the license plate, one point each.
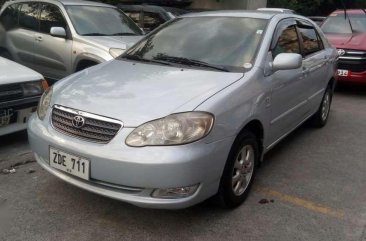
{"type": "Point", "coordinates": [75, 165]}
{"type": "Point", "coordinates": [342, 72]}
{"type": "Point", "coordinates": [7, 116]}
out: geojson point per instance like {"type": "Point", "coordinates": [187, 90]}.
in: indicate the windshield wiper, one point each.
{"type": "Point", "coordinates": [189, 62]}
{"type": "Point", "coordinates": [138, 58]}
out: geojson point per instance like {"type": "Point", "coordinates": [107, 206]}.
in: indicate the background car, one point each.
{"type": "Point", "coordinates": [346, 30]}
{"type": "Point", "coordinates": [149, 17]}
{"type": "Point", "coordinates": [318, 19]}
{"type": "Point", "coordinates": [189, 122]}
{"type": "Point", "coordinates": [58, 38]}
{"type": "Point", "coordinates": [20, 91]}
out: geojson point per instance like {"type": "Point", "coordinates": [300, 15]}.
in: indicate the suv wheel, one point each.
{"type": "Point", "coordinates": [239, 171]}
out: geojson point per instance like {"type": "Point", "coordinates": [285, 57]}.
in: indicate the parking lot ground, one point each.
{"type": "Point", "coordinates": [312, 186]}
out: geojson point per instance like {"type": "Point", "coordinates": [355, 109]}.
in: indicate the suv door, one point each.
{"type": "Point", "coordinates": [288, 87]}
{"type": "Point", "coordinates": [53, 54]}
{"type": "Point", "coordinates": [315, 61]}
{"type": "Point", "coordinates": [20, 39]}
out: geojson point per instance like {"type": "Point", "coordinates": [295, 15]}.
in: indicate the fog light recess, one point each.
{"type": "Point", "coordinates": [175, 193]}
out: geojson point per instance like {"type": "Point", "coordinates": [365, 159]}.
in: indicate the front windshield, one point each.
{"type": "Point", "coordinates": [223, 41]}
{"type": "Point", "coordinates": [337, 23]}
{"type": "Point", "coordinates": [101, 21]}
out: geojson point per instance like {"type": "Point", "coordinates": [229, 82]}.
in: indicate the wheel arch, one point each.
{"type": "Point", "coordinates": [256, 127]}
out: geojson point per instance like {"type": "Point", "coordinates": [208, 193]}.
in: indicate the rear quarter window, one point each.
{"type": "Point", "coordinates": [9, 17]}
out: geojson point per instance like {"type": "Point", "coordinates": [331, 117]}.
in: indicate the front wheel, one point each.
{"type": "Point", "coordinates": [239, 171]}
{"type": "Point", "coordinates": [320, 118]}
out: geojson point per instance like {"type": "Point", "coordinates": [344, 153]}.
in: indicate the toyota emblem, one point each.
{"type": "Point", "coordinates": [78, 121]}
{"type": "Point", "coordinates": [341, 52]}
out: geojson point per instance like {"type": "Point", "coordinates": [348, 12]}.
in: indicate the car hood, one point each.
{"type": "Point", "coordinates": [11, 72]}
{"type": "Point", "coordinates": [348, 41]}
{"type": "Point", "coordinates": [122, 42]}
{"type": "Point", "coordinates": [135, 93]}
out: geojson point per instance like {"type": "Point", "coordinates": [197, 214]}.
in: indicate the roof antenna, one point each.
{"type": "Point", "coordinates": [346, 15]}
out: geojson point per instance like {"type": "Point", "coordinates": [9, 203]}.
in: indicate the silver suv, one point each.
{"type": "Point", "coordinates": [60, 37]}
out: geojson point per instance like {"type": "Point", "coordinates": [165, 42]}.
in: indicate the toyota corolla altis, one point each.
{"type": "Point", "coordinates": [189, 111]}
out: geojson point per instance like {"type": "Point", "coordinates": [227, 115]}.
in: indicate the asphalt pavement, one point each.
{"type": "Point", "coordinates": [312, 186]}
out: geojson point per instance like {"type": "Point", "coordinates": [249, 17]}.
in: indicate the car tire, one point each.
{"type": "Point", "coordinates": [320, 118]}
{"type": "Point", "coordinates": [238, 169]}
{"type": "Point", "coordinates": [6, 54]}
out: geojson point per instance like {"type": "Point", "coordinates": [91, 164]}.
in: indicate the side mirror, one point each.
{"type": "Point", "coordinates": [58, 32]}
{"type": "Point", "coordinates": [287, 61]}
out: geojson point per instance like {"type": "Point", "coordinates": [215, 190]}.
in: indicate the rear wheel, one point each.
{"type": "Point", "coordinates": [239, 171]}
{"type": "Point", "coordinates": [320, 118]}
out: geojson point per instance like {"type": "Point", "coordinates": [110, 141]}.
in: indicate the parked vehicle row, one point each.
{"type": "Point", "coordinates": [58, 38]}
{"type": "Point", "coordinates": [188, 112]}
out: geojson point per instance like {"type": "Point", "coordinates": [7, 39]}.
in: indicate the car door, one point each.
{"type": "Point", "coordinates": [53, 54]}
{"type": "Point", "coordinates": [315, 61]}
{"type": "Point", "coordinates": [288, 87]}
{"type": "Point", "coordinates": [21, 39]}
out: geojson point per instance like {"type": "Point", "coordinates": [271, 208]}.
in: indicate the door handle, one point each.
{"type": "Point", "coordinates": [39, 38]}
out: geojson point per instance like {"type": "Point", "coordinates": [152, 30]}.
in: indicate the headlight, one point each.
{"type": "Point", "coordinates": [176, 129]}
{"type": "Point", "coordinates": [116, 52]}
{"type": "Point", "coordinates": [32, 88]}
{"type": "Point", "coordinates": [44, 103]}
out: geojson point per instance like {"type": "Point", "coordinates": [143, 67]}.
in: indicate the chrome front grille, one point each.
{"type": "Point", "coordinates": [95, 128]}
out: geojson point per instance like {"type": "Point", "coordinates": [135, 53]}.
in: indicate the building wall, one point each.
{"type": "Point", "coordinates": [229, 4]}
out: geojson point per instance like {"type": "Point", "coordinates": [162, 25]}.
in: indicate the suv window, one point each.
{"type": "Point", "coordinates": [9, 18]}
{"type": "Point", "coordinates": [310, 40]}
{"type": "Point", "coordinates": [287, 42]}
{"type": "Point", "coordinates": [28, 18]}
{"type": "Point", "coordinates": [152, 21]}
{"type": "Point", "coordinates": [51, 17]}
{"type": "Point", "coordinates": [135, 16]}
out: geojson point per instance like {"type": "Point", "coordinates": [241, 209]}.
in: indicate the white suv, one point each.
{"type": "Point", "coordinates": [60, 37]}
{"type": "Point", "coordinates": [20, 91]}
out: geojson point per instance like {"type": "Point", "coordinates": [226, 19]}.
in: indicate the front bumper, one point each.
{"type": "Point", "coordinates": [19, 111]}
{"type": "Point", "coordinates": [353, 77]}
{"type": "Point", "coordinates": [132, 174]}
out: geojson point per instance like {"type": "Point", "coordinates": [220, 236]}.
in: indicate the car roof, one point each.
{"type": "Point", "coordinates": [349, 11]}
{"type": "Point", "coordinates": [234, 13]}
{"type": "Point", "coordinates": [67, 2]}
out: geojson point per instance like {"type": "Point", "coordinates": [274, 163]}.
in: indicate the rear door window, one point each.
{"type": "Point", "coordinates": [9, 17]}
{"type": "Point", "coordinates": [310, 40]}
{"type": "Point", "coordinates": [28, 16]}
{"type": "Point", "coordinates": [51, 16]}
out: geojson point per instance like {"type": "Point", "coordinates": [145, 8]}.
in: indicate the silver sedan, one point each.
{"type": "Point", "coordinates": [189, 111]}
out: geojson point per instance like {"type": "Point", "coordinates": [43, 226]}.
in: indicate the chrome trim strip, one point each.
{"type": "Point", "coordinates": [288, 112]}
{"type": "Point", "coordinates": [352, 58]}
{"type": "Point", "coordinates": [88, 115]}
{"type": "Point", "coordinates": [356, 52]}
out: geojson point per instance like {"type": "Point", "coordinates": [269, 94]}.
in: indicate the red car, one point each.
{"type": "Point", "coordinates": [346, 30]}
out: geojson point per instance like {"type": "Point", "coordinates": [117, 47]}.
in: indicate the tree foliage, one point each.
{"type": "Point", "coordinates": [316, 7]}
